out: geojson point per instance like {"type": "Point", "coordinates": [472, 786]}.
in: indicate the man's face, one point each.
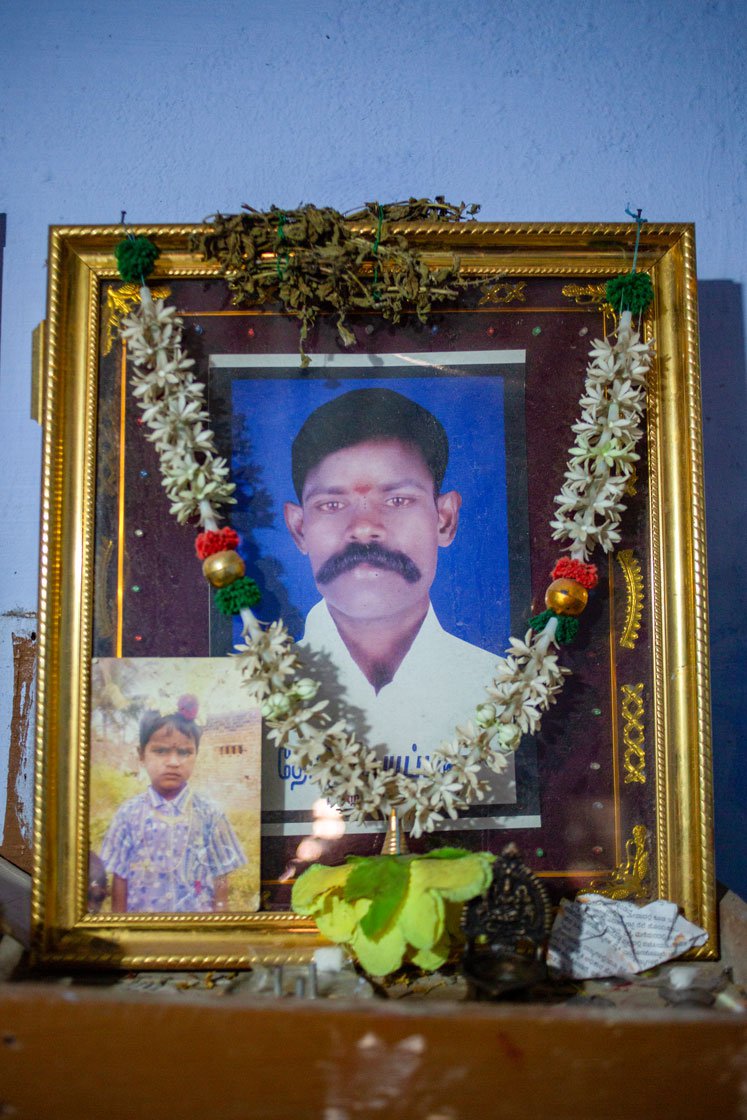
{"type": "Point", "coordinates": [371, 527]}
{"type": "Point", "coordinates": [169, 758]}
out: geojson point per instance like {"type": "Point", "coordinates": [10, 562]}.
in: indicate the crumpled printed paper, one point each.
{"type": "Point", "coordinates": [595, 937]}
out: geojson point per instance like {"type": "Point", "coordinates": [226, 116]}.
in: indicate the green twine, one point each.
{"type": "Point", "coordinates": [567, 628]}
{"type": "Point", "coordinates": [136, 257]}
{"type": "Point", "coordinates": [242, 592]}
{"type": "Point", "coordinates": [377, 241]}
{"type": "Point", "coordinates": [633, 291]}
{"type": "Point", "coordinates": [639, 226]}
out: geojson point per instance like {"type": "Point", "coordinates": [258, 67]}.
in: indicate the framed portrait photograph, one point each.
{"type": "Point", "coordinates": [394, 495]}
{"type": "Point", "coordinates": [175, 782]}
{"type": "Point", "coordinates": [467, 580]}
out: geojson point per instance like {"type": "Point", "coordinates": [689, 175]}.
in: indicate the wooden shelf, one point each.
{"type": "Point", "coordinates": [71, 1052]}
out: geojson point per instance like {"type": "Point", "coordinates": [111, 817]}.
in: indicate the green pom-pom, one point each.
{"type": "Point", "coordinates": [241, 593]}
{"type": "Point", "coordinates": [135, 259]}
{"type": "Point", "coordinates": [567, 628]}
{"type": "Point", "coordinates": [540, 621]}
{"type": "Point", "coordinates": [631, 292]}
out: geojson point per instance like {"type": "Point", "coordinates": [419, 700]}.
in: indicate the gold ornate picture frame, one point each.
{"type": "Point", "coordinates": [614, 794]}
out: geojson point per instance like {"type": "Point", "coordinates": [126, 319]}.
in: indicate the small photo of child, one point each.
{"type": "Point", "coordinates": [174, 846]}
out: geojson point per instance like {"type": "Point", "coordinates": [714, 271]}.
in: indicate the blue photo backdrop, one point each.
{"type": "Point", "coordinates": [471, 592]}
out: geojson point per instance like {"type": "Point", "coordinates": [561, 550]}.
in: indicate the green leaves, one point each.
{"type": "Point", "coordinates": [448, 853]}
{"type": "Point", "coordinates": [385, 882]}
{"type": "Point", "coordinates": [315, 260]}
{"type": "Point", "coordinates": [390, 909]}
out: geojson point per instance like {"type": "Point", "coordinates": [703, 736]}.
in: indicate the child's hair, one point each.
{"type": "Point", "coordinates": [183, 719]}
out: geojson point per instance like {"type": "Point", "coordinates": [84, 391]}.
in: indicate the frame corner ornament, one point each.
{"type": "Point", "coordinates": [630, 879]}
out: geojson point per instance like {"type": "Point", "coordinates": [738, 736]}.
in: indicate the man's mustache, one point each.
{"type": "Point", "coordinates": [374, 554]}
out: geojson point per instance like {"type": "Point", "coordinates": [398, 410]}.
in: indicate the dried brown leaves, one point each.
{"type": "Point", "coordinates": [314, 260]}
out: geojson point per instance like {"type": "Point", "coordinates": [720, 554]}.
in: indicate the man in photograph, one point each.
{"type": "Point", "coordinates": [368, 468]}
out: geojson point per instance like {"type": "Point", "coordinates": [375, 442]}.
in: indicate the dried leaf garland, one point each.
{"type": "Point", "coordinates": [312, 261]}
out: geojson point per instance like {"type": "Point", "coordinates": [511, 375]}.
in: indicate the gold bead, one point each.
{"type": "Point", "coordinates": [223, 568]}
{"type": "Point", "coordinates": [565, 596]}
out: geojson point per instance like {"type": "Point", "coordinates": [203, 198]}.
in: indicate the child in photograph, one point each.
{"type": "Point", "coordinates": [169, 848]}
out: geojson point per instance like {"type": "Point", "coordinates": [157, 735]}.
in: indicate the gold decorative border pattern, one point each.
{"type": "Point", "coordinates": [87, 484]}
{"type": "Point", "coordinates": [634, 606]}
{"type": "Point", "coordinates": [654, 419]}
{"type": "Point", "coordinates": [506, 269]}
{"type": "Point", "coordinates": [630, 879]}
{"type": "Point", "coordinates": [559, 230]}
{"type": "Point", "coordinates": [634, 759]}
{"type": "Point", "coordinates": [585, 295]}
{"type": "Point", "coordinates": [48, 557]}
{"type": "Point", "coordinates": [262, 919]}
{"type": "Point", "coordinates": [702, 713]}
{"type": "Point", "coordinates": [106, 958]}
{"type": "Point", "coordinates": [505, 292]}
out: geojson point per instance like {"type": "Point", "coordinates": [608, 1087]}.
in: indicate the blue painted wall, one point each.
{"type": "Point", "coordinates": [539, 111]}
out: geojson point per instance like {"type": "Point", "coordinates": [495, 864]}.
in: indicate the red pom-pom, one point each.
{"type": "Point", "coordinates": [585, 574]}
{"type": "Point", "coordinates": [188, 706]}
{"type": "Point", "coordinates": [211, 541]}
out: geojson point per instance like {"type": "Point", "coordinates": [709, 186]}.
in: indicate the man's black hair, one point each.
{"type": "Point", "coordinates": [367, 414]}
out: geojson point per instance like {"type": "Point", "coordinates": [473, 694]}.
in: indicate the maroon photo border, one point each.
{"type": "Point", "coordinates": [151, 599]}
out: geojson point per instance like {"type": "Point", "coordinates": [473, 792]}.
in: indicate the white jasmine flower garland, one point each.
{"type": "Point", "coordinates": [173, 403]}
{"type": "Point", "coordinates": [590, 503]}
{"type": "Point", "coordinates": [527, 680]}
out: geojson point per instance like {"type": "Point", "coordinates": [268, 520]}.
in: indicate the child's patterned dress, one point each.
{"type": "Point", "coordinates": [170, 851]}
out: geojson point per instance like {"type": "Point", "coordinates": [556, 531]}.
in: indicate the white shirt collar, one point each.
{"type": "Point", "coordinates": [322, 633]}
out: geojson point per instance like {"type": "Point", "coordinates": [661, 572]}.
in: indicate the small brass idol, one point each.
{"type": "Point", "coordinates": [507, 930]}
